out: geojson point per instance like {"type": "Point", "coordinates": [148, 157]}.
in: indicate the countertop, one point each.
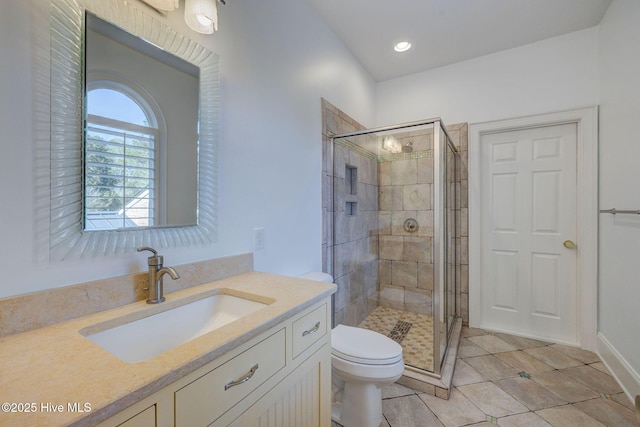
{"type": "Point", "coordinates": [50, 368]}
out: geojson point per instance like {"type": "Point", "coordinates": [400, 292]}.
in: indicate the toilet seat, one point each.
{"type": "Point", "coordinates": [363, 346]}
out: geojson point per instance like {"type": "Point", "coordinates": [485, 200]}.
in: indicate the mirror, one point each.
{"type": "Point", "coordinates": [141, 132]}
{"type": "Point", "coordinates": [59, 138]}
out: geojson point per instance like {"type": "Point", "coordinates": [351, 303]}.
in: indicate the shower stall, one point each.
{"type": "Point", "coordinates": [394, 221]}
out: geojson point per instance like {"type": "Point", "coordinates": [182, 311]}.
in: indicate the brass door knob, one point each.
{"type": "Point", "coordinates": [569, 244]}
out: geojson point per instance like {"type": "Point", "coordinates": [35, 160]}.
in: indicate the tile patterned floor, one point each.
{"type": "Point", "coordinates": [511, 381]}
{"type": "Point", "coordinates": [417, 344]}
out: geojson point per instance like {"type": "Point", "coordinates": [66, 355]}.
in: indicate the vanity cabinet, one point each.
{"type": "Point", "coordinates": [205, 399]}
{"type": "Point", "coordinates": [281, 377]}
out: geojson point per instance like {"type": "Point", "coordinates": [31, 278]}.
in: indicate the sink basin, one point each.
{"type": "Point", "coordinates": [142, 339]}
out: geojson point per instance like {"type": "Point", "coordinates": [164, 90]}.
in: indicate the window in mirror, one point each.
{"type": "Point", "coordinates": [120, 161]}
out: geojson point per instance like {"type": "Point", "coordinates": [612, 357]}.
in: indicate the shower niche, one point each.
{"type": "Point", "coordinates": [397, 261]}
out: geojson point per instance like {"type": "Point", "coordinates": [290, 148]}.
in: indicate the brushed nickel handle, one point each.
{"type": "Point", "coordinates": [312, 330]}
{"type": "Point", "coordinates": [243, 379]}
{"type": "Point", "coordinates": [569, 244]}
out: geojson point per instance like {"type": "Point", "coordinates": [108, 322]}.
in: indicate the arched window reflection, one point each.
{"type": "Point", "coordinates": [121, 149]}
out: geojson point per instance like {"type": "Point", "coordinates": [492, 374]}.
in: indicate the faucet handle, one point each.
{"type": "Point", "coordinates": [147, 248]}
{"type": "Point", "coordinates": [155, 259]}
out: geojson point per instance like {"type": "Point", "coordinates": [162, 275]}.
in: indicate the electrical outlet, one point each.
{"type": "Point", "coordinates": [258, 238]}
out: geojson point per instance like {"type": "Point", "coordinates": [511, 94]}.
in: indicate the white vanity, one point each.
{"type": "Point", "coordinates": [282, 376]}
{"type": "Point", "coordinates": [273, 365]}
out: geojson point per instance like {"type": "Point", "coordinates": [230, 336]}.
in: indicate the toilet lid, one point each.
{"type": "Point", "coordinates": [364, 346]}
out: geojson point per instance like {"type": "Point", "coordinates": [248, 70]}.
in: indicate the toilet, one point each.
{"type": "Point", "coordinates": [362, 362]}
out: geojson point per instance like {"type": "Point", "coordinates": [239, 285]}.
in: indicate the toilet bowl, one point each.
{"type": "Point", "coordinates": [362, 361]}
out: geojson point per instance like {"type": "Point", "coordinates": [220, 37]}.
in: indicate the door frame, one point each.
{"type": "Point", "coordinates": [586, 121]}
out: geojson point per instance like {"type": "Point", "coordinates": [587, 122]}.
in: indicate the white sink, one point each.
{"type": "Point", "coordinates": [142, 339]}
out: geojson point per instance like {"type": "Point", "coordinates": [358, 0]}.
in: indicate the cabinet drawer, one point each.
{"type": "Point", "coordinates": [205, 399]}
{"type": "Point", "coordinates": [146, 418]}
{"type": "Point", "coordinates": [309, 329]}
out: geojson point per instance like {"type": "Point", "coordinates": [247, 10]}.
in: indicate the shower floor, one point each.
{"type": "Point", "coordinates": [413, 331]}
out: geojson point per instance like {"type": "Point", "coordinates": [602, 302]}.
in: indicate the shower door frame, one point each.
{"type": "Point", "coordinates": [439, 274]}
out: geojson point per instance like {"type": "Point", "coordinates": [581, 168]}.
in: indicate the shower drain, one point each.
{"type": "Point", "coordinates": [400, 331]}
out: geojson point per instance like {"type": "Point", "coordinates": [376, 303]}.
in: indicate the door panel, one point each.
{"type": "Point", "coordinates": [528, 193]}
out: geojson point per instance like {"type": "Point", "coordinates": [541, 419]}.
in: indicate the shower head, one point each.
{"type": "Point", "coordinates": [408, 147]}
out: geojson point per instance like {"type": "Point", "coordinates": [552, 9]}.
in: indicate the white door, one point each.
{"type": "Point", "coordinates": [528, 209]}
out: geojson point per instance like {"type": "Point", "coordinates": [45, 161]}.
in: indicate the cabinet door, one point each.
{"type": "Point", "coordinates": [302, 399]}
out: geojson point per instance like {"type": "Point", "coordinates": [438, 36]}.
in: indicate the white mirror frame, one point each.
{"type": "Point", "coordinates": [58, 134]}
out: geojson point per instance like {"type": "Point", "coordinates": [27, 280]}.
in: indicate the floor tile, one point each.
{"type": "Point", "coordinates": [624, 400]}
{"type": "Point", "coordinates": [417, 345]}
{"type": "Point", "coordinates": [565, 387]}
{"type": "Point", "coordinates": [457, 411]}
{"type": "Point", "coordinates": [530, 393]}
{"type": "Point", "coordinates": [595, 379]}
{"type": "Point", "coordinates": [492, 344]}
{"type": "Point", "coordinates": [408, 411]}
{"type": "Point", "coordinates": [471, 332]}
{"type": "Point", "coordinates": [492, 400]}
{"type": "Point", "coordinates": [396, 390]}
{"type": "Point", "coordinates": [465, 374]}
{"type": "Point", "coordinates": [521, 343]}
{"type": "Point", "coordinates": [553, 357]}
{"type": "Point", "coordinates": [522, 361]}
{"type": "Point", "coordinates": [528, 419]}
{"type": "Point", "coordinates": [579, 354]}
{"type": "Point", "coordinates": [568, 416]}
{"type": "Point", "coordinates": [491, 367]}
{"type": "Point", "coordinates": [467, 348]}
{"type": "Point", "coordinates": [600, 367]}
{"type": "Point", "coordinates": [608, 412]}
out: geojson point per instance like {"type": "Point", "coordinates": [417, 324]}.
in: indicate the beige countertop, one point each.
{"type": "Point", "coordinates": [49, 368]}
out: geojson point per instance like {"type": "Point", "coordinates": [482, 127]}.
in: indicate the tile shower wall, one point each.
{"type": "Point", "coordinates": [406, 192]}
{"type": "Point", "coordinates": [354, 199]}
{"type": "Point", "coordinates": [378, 262]}
{"type": "Point", "coordinates": [459, 134]}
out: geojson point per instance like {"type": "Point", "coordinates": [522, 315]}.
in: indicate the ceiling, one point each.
{"type": "Point", "coordinates": [447, 31]}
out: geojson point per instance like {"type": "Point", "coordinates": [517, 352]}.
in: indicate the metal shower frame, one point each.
{"type": "Point", "coordinates": [439, 223]}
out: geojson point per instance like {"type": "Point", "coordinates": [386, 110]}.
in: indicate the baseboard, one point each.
{"type": "Point", "coordinates": [626, 376]}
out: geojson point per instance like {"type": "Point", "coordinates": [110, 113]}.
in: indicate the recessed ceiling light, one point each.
{"type": "Point", "coordinates": [402, 47]}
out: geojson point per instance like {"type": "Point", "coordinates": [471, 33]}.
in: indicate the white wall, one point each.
{"type": "Point", "coordinates": [600, 65]}
{"type": "Point", "coordinates": [552, 75]}
{"type": "Point", "coordinates": [278, 59]}
{"type": "Point", "coordinates": [619, 276]}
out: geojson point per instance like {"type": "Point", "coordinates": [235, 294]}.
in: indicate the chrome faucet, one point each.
{"type": "Point", "coordinates": [156, 273]}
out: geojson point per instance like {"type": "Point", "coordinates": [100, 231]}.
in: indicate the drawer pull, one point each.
{"type": "Point", "coordinates": [246, 377]}
{"type": "Point", "coordinates": [312, 330]}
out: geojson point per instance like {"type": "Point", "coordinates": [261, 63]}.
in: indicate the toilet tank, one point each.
{"type": "Point", "coordinates": [317, 276]}
{"type": "Point", "coordinates": [322, 277]}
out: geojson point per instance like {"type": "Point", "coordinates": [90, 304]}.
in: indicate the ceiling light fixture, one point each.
{"type": "Point", "coordinates": [201, 15]}
{"type": "Point", "coordinates": [402, 47]}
